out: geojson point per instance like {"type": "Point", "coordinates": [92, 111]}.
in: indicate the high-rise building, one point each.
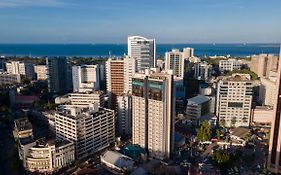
{"type": "Point", "coordinates": [264, 63]}
{"type": "Point", "coordinates": [41, 72]}
{"type": "Point", "coordinates": [175, 60]}
{"type": "Point", "coordinates": [124, 115]}
{"type": "Point", "coordinates": [143, 50]}
{"type": "Point", "coordinates": [202, 71]}
{"type": "Point", "coordinates": [129, 70]}
{"type": "Point", "coordinates": [91, 129]}
{"type": "Point", "coordinates": [114, 80]}
{"type": "Point", "coordinates": [234, 100]}
{"type": "Point", "coordinates": [59, 75]}
{"type": "Point", "coordinates": [267, 91]}
{"type": "Point", "coordinates": [85, 78]}
{"type": "Point", "coordinates": [22, 68]}
{"type": "Point", "coordinates": [188, 52]}
{"type": "Point", "coordinates": [230, 65]}
{"type": "Point", "coordinates": [274, 156]}
{"type": "Point", "coordinates": [153, 113]}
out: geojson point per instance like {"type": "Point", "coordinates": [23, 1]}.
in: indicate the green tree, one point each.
{"type": "Point", "coordinates": [221, 158]}
{"type": "Point", "coordinates": [218, 134]}
{"type": "Point", "coordinates": [204, 132]}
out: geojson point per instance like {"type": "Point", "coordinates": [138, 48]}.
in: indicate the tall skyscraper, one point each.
{"type": "Point", "coordinates": [143, 50]}
{"type": "Point", "coordinates": [59, 75]}
{"type": "Point", "coordinates": [234, 100]}
{"type": "Point", "coordinates": [114, 80]}
{"type": "Point", "coordinates": [175, 61]}
{"type": "Point", "coordinates": [85, 78]}
{"type": "Point", "coordinates": [21, 68]}
{"type": "Point", "coordinates": [274, 156]}
{"type": "Point", "coordinates": [188, 52]}
{"type": "Point", "coordinates": [153, 113]}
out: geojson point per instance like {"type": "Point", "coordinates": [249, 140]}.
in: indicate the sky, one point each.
{"type": "Point", "coordinates": [168, 21]}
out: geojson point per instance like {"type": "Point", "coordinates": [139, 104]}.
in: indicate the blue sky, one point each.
{"type": "Point", "coordinates": [111, 21]}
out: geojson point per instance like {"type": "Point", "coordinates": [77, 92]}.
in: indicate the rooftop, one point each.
{"type": "Point", "coordinates": [23, 124]}
{"type": "Point", "coordinates": [199, 99]}
{"type": "Point", "coordinates": [118, 159]}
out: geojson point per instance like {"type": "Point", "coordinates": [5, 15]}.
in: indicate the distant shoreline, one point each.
{"type": "Point", "coordinates": [118, 50]}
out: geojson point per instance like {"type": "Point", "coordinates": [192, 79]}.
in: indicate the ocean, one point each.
{"type": "Point", "coordinates": [103, 50]}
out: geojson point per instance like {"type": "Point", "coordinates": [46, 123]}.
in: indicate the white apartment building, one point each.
{"type": "Point", "coordinates": [267, 91]}
{"type": "Point", "coordinates": [202, 71]}
{"type": "Point", "coordinates": [234, 100]}
{"type": "Point", "coordinates": [124, 115]}
{"type": "Point", "coordinates": [91, 129]}
{"type": "Point", "coordinates": [41, 72]}
{"type": "Point", "coordinates": [188, 52]}
{"type": "Point", "coordinates": [85, 78]}
{"type": "Point", "coordinates": [175, 60]}
{"type": "Point", "coordinates": [153, 113]}
{"type": "Point", "coordinates": [9, 79]}
{"type": "Point", "coordinates": [230, 65]}
{"type": "Point", "coordinates": [143, 50]}
{"type": "Point", "coordinates": [129, 71]}
{"type": "Point", "coordinates": [21, 68]}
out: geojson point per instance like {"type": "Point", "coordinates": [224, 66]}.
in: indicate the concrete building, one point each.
{"type": "Point", "coordinates": [230, 65]}
{"type": "Point", "coordinates": [124, 115]}
{"type": "Point", "coordinates": [114, 80]}
{"type": "Point", "coordinates": [264, 63]}
{"type": "Point", "coordinates": [117, 163]}
{"type": "Point", "coordinates": [234, 100]}
{"type": "Point", "coordinates": [41, 72]}
{"type": "Point", "coordinates": [153, 112]}
{"type": "Point", "coordinates": [86, 98]}
{"type": "Point", "coordinates": [267, 91]}
{"type": "Point", "coordinates": [262, 115]}
{"type": "Point", "coordinates": [91, 129]}
{"type": "Point", "coordinates": [23, 128]}
{"type": "Point", "coordinates": [41, 155]}
{"type": "Point", "coordinates": [59, 75]}
{"type": "Point", "coordinates": [9, 79]}
{"type": "Point", "coordinates": [85, 78]}
{"type": "Point", "coordinates": [202, 71]}
{"type": "Point", "coordinates": [22, 68]}
{"type": "Point", "coordinates": [196, 107]}
{"type": "Point", "coordinates": [274, 157]}
{"type": "Point", "coordinates": [175, 60]}
{"type": "Point", "coordinates": [188, 52]}
{"type": "Point", "coordinates": [143, 50]}
{"type": "Point", "coordinates": [129, 71]}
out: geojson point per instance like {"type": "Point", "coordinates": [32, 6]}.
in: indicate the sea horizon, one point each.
{"type": "Point", "coordinates": [119, 49]}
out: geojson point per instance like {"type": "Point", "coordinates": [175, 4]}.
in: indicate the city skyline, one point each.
{"type": "Point", "coordinates": [61, 21]}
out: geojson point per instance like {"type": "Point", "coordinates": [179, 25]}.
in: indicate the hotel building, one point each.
{"type": "Point", "coordinates": [153, 112]}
